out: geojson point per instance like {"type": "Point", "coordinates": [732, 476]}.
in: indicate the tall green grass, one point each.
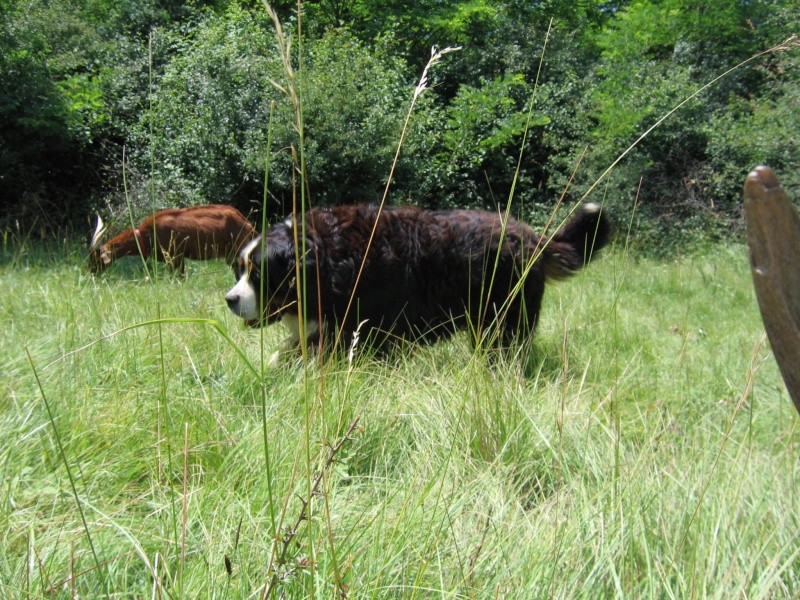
{"type": "Point", "coordinates": [651, 450]}
{"type": "Point", "coordinates": [645, 449]}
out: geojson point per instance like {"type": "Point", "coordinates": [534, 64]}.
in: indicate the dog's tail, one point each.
{"type": "Point", "coordinates": [576, 243]}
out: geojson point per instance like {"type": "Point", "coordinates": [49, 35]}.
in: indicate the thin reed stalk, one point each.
{"type": "Point", "coordinates": [70, 477]}
{"type": "Point", "coordinates": [422, 85]}
{"type": "Point", "coordinates": [292, 91]}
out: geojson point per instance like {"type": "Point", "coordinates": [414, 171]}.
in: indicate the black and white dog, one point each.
{"type": "Point", "coordinates": [426, 274]}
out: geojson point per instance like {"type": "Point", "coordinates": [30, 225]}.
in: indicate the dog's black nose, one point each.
{"type": "Point", "coordinates": [232, 300]}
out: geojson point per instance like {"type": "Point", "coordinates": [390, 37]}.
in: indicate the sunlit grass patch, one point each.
{"type": "Point", "coordinates": [649, 446]}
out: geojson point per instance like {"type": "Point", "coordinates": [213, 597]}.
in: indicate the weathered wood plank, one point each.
{"type": "Point", "coordinates": [773, 233]}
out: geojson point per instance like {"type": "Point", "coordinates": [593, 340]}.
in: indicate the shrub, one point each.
{"type": "Point", "coordinates": [209, 110]}
{"type": "Point", "coordinates": [474, 158]}
{"type": "Point", "coordinates": [209, 121]}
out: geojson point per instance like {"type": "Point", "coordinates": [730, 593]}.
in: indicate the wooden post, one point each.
{"type": "Point", "coordinates": [773, 233]}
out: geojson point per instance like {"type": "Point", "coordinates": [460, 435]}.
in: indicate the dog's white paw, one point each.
{"type": "Point", "coordinates": [274, 359]}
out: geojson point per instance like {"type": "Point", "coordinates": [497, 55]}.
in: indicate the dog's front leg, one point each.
{"type": "Point", "coordinates": [291, 344]}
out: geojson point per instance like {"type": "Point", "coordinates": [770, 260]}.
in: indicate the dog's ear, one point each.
{"type": "Point", "coordinates": [279, 260]}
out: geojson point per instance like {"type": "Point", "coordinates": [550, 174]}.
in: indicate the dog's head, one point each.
{"type": "Point", "coordinates": [266, 282]}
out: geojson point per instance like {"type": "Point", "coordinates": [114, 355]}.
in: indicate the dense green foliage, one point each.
{"type": "Point", "coordinates": [164, 103]}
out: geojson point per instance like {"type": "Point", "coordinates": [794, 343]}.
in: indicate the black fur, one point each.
{"type": "Point", "coordinates": [427, 273]}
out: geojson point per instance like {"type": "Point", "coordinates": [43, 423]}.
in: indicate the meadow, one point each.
{"type": "Point", "coordinates": [649, 449]}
